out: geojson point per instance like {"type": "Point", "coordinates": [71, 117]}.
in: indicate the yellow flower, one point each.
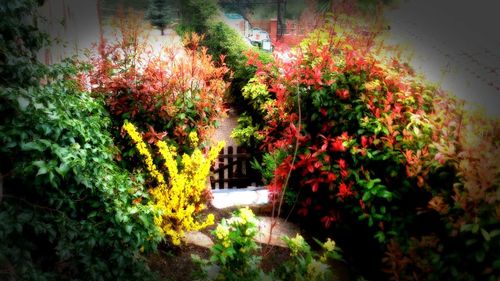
{"type": "Point", "coordinates": [144, 152]}
{"type": "Point", "coordinates": [178, 203]}
{"type": "Point", "coordinates": [316, 269]}
{"type": "Point", "coordinates": [246, 215]}
{"type": "Point", "coordinates": [222, 231]}
{"type": "Point", "coordinates": [296, 244]}
{"type": "Point", "coordinates": [193, 139]}
{"type": "Point", "coordinates": [329, 245]}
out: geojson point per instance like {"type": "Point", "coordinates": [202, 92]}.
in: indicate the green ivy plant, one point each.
{"type": "Point", "coordinates": [67, 211]}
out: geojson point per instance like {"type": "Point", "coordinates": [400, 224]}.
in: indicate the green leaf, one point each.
{"type": "Point", "coordinates": [466, 227]}
{"type": "Point", "coordinates": [475, 228]}
{"type": "Point", "coordinates": [367, 196]}
{"type": "Point", "coordinates": [386, 194]}
{"type": "Point", "coordinates": [494, 232]}
{"type": "Point", "coordinates": [63, 169]}
{"type": "Point", "coordinates": [32, 146]}
{"type": "Point", "coordinates": [485, 234]}
{"type": "Point", "coordinates": [23, 102]}
{"type": "Point", "coordinates": [128, 228]}
{"type": "Point", "coordinates": [42, 171]}
{"type": "Point", "coordinates": [380, 236]}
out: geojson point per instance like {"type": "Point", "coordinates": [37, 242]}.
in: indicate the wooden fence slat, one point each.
{"type": "Point", "coordinates": [230, 166]}
{"type": "Point", "coordinates": [221, 171]}
{"type": "Point", "coordinates": [232, 169]}
{"type": "Point", "coordinates": [239, 165]}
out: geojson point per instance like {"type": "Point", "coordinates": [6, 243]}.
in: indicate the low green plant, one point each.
{"type": "Point", "coordinates": [306, 264]}
{"type": "Point", "coordinates": [269, 164]}
{"type": "Point", "coordinates": [235, 255]}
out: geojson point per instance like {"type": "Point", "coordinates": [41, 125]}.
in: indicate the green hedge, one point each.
{"type": "Point", "coordinates": [221, 39]}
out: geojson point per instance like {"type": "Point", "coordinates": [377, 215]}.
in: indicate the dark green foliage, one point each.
{"type": "Point", "coordinates": [195, 14]}
{"type": "Point", "coordinates": [15, 56]}
{"type": "Point", "coordinates": [160, 14]}
{"type": "Point", "coordinates": [67, 212]}
{"type": "Point", "coordinates": [220, 39]}
{"type": "Point", "coordinates": [67, 208]}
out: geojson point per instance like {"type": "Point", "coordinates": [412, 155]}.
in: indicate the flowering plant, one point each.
{"type": "Point", "coordinates": [180, 200]}
{"type": "Point", "coordinates": [172, 92]}
{"type": "Point", "coordinates": [234, 252]}
{"type": "Point", "coordinates": [235, 256]}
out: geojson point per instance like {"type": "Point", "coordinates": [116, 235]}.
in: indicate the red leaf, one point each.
{"type": "Point", "coordinates": [327, 220]}
{"type": "Point", "coordinates": [342, 94]}
{"type": "Point", "coordinates": [364, 141]}
{"type": "Point", "coordinates": [331, 177]}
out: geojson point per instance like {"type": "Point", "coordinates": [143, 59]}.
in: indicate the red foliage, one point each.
{"type": "Point", "coordinates": [369, 137]}
{"type": "Point", "coordinates": [170, 93]}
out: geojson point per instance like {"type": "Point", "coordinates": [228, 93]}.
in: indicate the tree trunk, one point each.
{"type": "Point", "coordinates": [162, 33]}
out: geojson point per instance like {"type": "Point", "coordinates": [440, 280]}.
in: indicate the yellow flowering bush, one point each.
{"type": "Point", "coordinates": [179, 201]}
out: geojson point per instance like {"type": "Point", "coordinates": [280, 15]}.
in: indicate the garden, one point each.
{"type": "Point", "coordinates": [106, 159]}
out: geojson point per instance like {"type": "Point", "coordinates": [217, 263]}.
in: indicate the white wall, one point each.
{"type": "Point", "coordinates": [74, 22]}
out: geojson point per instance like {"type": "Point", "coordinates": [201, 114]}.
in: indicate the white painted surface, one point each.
{"type": "Point", "coordinates": [74, 23]}
{"type": "Point", "coordinates": [225, 198]}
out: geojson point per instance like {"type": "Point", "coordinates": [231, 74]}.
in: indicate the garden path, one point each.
{"type": "Point", "coordinates": [227, 125]}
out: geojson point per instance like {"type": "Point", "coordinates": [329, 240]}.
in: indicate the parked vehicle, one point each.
{"type": "Point", "coordinates": [255, 36]}
{"type": "Point", "coordinates": [261, 38]}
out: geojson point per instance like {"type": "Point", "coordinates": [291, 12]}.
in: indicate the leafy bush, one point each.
{"type": "Point", "coordinates": [368, 141]}
{"type": "Point", "coordinates": [234, 250]}
{"type": "Point", "coordinates": [172, 93]}
{"type": "Point", "coordinates": [196, 15]}
{"type": "Point", "coordinates": [222, 40]}
{"type": "Point", "coordinates": [180, 201]}
{"type": "Point", "coordinates": [234, 255]}
{"type": "Point", "coordinates": [245, 132]}
{"type": "Point", "coordinates": [68, 211]}
{"type": "Point", "coordinates": [465, 186]}
{"type": "Point", "coordinates": [19, 43]}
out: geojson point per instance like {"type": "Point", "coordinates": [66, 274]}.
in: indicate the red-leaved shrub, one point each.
{"type": "Point", "coordinates": [171, 92]}
{"type": "Point", "coordinates": [364, 139]}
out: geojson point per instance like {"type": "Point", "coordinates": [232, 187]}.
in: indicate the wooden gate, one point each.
{"type": "Point", "coordinates": [232, 170]}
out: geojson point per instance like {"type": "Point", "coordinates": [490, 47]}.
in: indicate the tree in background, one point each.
{"type": "Point", "coordinates": [196, 14]}
{"type": "Point", "coordinates": [160, 14]}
